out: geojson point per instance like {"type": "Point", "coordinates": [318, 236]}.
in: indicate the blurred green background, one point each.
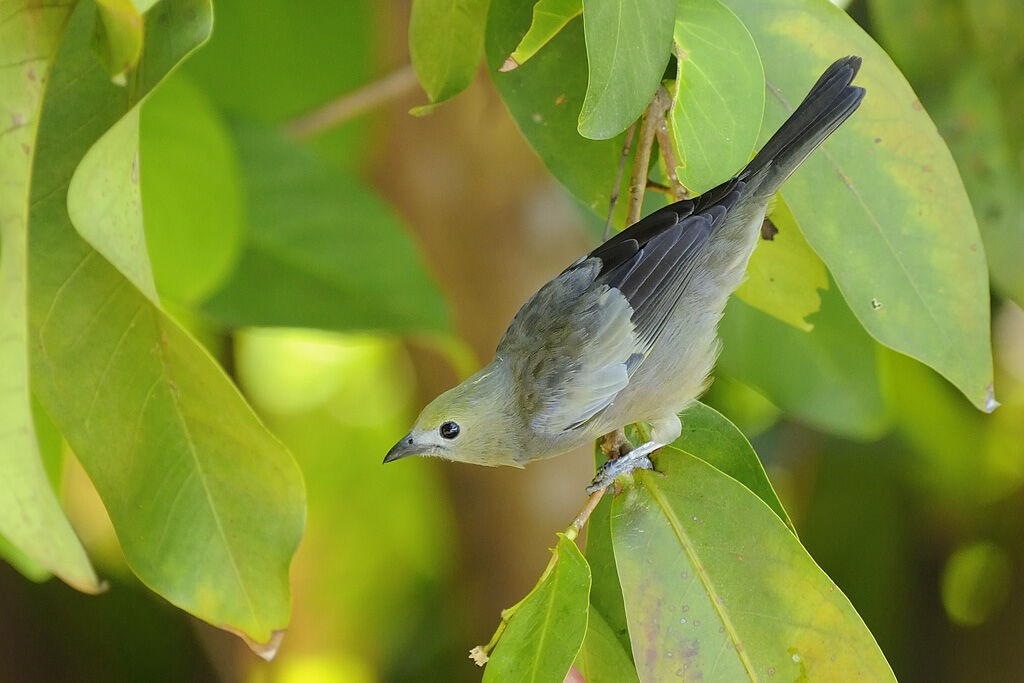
{"type": "Point", "coordinates": [920, 519]}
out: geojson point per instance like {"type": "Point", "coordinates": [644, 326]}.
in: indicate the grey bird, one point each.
{"type": "Point", "coordinates": [628, 333]}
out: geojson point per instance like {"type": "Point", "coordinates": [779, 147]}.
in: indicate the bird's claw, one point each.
{"type": "Point", "coordinates": [612, 469]}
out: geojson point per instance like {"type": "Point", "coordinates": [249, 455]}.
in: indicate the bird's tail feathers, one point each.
{"type": "Point", "coordinates": [829, 102]}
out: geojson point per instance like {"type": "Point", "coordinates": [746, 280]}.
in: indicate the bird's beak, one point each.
{"type": "Point", "coordinates": [403, 449]}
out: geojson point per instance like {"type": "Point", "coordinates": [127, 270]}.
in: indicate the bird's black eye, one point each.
{"type": "Point", "coordinates": [449, 430]}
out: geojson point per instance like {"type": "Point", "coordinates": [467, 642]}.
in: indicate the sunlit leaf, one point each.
{"type": "Point", "coordinates": [119, 28]}
{"type": "Point", "coordinates": [827, 377]}
{"type": "Point", "coordinates": [628, 46]}
{"type": "Point", "coordinates": [879, 203]}
{"type": "Point", "coordinates": [31, 518]}
{"type": "Point", "coordinates": [208, 506]}
{"type": "Point", "coordinates": [716, 587]}
{"type": "Point", "coordinates": [192, 191]}
{"type": "Point", "coordinates": [719, 98]}
{"type": "Point", "coordinates": [446, 39]}
{"type": "Point", "coordinates": [322, 250]}
{"type": "Point", "coordinates": [544, 97]}
{"type": "Point", "coordinates": [549, 17]}
{"type": "Point", "coordinates": [546, 629]}
{"type": "Point", "coordinates": [708, 435]}
{"type": "Point", "coordinates": [784, 274]}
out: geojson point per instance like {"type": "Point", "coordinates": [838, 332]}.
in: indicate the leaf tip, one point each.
{"type": "Point", "coordinates": [478, 655]}
{"type": "Point", "coordinates": [990, 399]}
{"type": "Point", "coordinates": [508, 65]}
{"type": "Point", "coordinates": [267, 650]}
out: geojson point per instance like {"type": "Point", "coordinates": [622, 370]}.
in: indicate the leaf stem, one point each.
{"type": "Point", "coordinates": [653, 121]}
{"type": "Point", "coordinates": [618, 181]}
{"type": "Point", "coordinates": [350, 105]}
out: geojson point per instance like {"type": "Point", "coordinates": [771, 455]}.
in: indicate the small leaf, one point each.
{"type": "Point", "coordinates": [546, 629]}
{"type": "Point", "coordinates": [194, 211]}
{"type": "Point", "coordinates": [716, 587]}
{"type": "Point", "coordinates": [880, 201]}
{"type": "Point", "coordinates": [602, 658]}
{"type": "Point", "coordinates": [710, 436]}
{"type": "Point", "coordinates": [446, 38]}
{"type": "Point", "coordinates": [784, 274]}
{"type": "Point", "coordinates": [322, 250]}
{"type": "Point", "coordinates": [207, 504]}
{"type": "Point", "coordinates": [719, 98]}
{"type": "Point", "coordinates": [827, 378]}
{"type": "Point", "coordinates": [31, 519]}
{"type": "Point", "coordinates": [119, 30]}
{"type": "Point", "coordinates": [549, 17]}
{"type": "Point", "coordinates": [628, 46]}
{"type": "Point", "coordinates": [544, 97]}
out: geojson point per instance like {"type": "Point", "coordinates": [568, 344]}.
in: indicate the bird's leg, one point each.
{"type": "Point", "coordinates": [663, 432]}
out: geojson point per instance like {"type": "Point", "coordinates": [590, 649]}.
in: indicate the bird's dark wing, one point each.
{"type": "Point", "coordinates": [572, 347]}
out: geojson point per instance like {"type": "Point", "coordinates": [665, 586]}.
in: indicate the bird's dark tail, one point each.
{"type": "Point", "coordinates": [826, 106]}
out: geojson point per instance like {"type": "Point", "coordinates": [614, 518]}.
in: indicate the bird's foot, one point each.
{"type": "Point", "coordinates": [612, 469]}
{"type": "Point", "coordinates": [615, 444]}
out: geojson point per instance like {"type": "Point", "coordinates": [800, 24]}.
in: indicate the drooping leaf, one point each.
{"type": "Point", "coordinates": [605, 594]}
{"type": "Point", "coordinates": [194, 211]}
{"type": "Point", "coordinates": [708, 435]}
{"type": "Point", "coordinates": [882, 204]}
{"type": "Point", "coordinates": [546, 629]}
{"type": "Point", "coordinates": [544, 97]}
{"type": "Point", "coordinates": [446, 39]}
{"type": "Point", "coordinates": [827, 377]}
{"type": "Point", "coordinates": [549, 17]}
{"type": "Point", "coordinates": [105, 204]}
{"type": "Point", "coordinates": [719, 98]}
{"type": "Point", "coordinates": [716, 587]}
{"type": "Point", "coordinates": [322, 250]}
{"type": "Point", "coordinates": [31, 518]}
{"type": "Point", "coordinates": [207, 505]}
{"type": "Point", "coordinates": [119, 29]}
{"type": "Point", "coordinates": [297, 58]}
{"type": "Point", "coordinates": [602, 659]}
{"type": "Point", "coordinates": [784, 274]}
{"type": "Point", "coordinates": [628, 46]}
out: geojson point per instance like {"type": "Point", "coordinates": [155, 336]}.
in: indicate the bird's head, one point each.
{"type": "Point", "coordinates": [468, 423]}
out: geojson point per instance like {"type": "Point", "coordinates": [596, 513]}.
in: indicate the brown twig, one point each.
{"type": "Point", "coordinates": [348, 106]}
{"type": "Point", "coordinates": [668, 150]}
{"type": "Point", "coordinates": [618, 181]}
{"type": "Point", "coordinates": [638, 179]}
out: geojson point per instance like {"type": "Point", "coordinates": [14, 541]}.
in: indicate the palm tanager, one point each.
{"type": "Point", "coordinates": [628, 333]}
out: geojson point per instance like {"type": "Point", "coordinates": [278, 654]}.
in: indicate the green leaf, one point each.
{"type": "Point", "coordinates": [31, 518]}
{"type": "Point", "coordinates": [926, 38]}
{"type": "Point", "coordinates": [544, 97]}
{"type": "Point", "coordinates": [322, 250]}
{"type": "Point", "coordinates": [784, 274]}
{"type": "Point", "coordinates": [546, 628]}
{"type": "Point", "coordinates": [719, 98]}
{"type": "Point", "coordinates": [446, 38]}
{"type": "Point", "coordinates": [717, 588]}
{"type": "Point", "coordinates": [207, 505]}
{"type": "Point", "coordinates": [549, 17]}
{"type": "Point", "coordinates": [883, 204]}
{"type": "Point", "coordinates": [827, 378]}
{"type": "Point", "coordinates": [297, 58]}
{"type": "Point", "coordinates": [119, 29]}
{"type": "Point", "coordinates": [996, 26]}
{"type": "Point", "coordinates": [628, 46]}
{"type": "Point", "coordinates": [708, 435]}
{"type": "Point", "coordinates": [105, 204]}
{"type": "Point", "coordinates": [194, 211]}
{"type": "Point", "coordinates": [602, 658]}
{"type": "Point", "coordinates": [605, 594]}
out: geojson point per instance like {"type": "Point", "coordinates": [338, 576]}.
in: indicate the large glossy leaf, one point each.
{"type": "Point", "coordinates": [446, 39]}
{"type": "Point", "coordinates": [546, 629]}
{"type": "Point", "coordinates": [544, 97]}
{"type": "Point", "coordinates": [784, 274]}
{"type": "Point", "coordinates": [719, 98]}
{"type": "Point", "coordinates": [882, 204]}
{"type": "Point", "coordinates": [31, 519]}
{"type": "Point", "coordinates": [628, 46]}
{"type": "Point", "coordinates": [708, 435]}
{"type": "Point", "coordinates": [194, 211]}
{"type": "Point", "coordinates": [827, 378]}
{"type": "Point", "coordinates": [207, 505]}
{"type": "Point", "coordinates": [716, 587]}
{"type": "Point", "coordinates": [322, 250]}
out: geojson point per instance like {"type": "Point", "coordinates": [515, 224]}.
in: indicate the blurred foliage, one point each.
{"type": "Point", "coordinates": [165, 234]}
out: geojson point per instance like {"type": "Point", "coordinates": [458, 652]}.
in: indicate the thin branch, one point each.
{"type": "Point", "coordinates": [638, 179]}
{"type": "Point", "coordinates": [618, 181]}
{"type": "Point", "coordinates": [350, 105]}
{"type": "Point", "coordinates": [668, 150]}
